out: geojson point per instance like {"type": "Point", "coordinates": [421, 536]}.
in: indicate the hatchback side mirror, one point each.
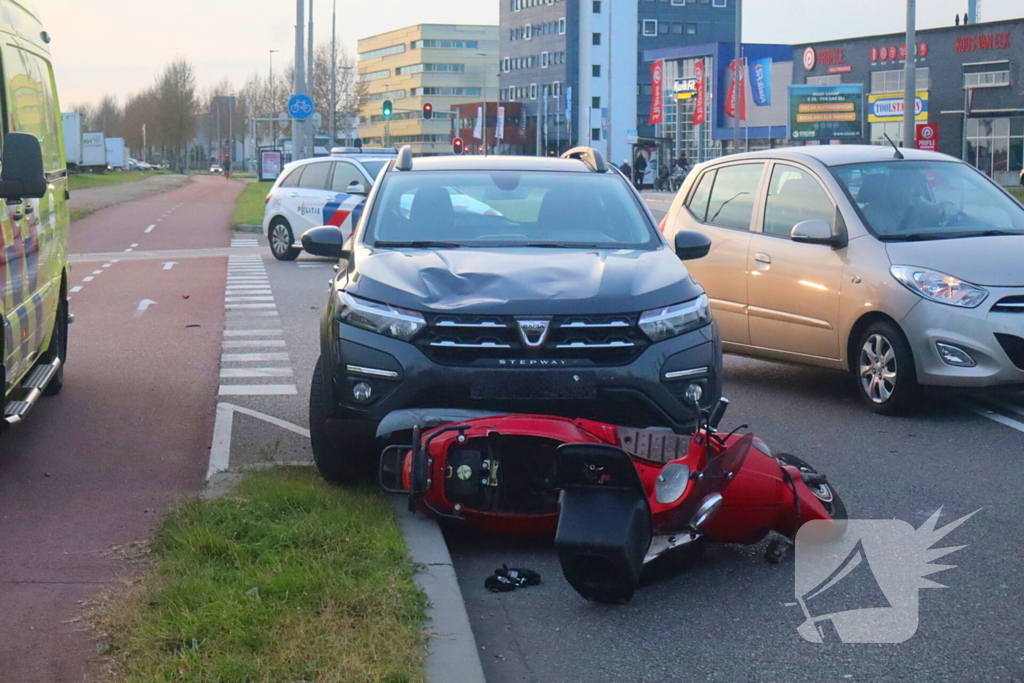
{"type": "Point", "coordinates": [22, 176]}
{"type": "Point", "coordinates": [326, 241]}
{"type": "Point", "coordinates": [814, 232]}
{"type": "Point", "coordinates": [692, 245]}
{"type": "Point", "coordinates": [356, 187]}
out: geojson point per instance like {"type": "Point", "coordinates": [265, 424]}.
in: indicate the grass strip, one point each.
{"type": "Point", "coordinates": [82, 181]}
{"type": "Point", "coordinates": [1017, 192]}
{"type": "Point", "coordinates": [251, 203]}
{"type": "Point", "coordinates": [288, 579]}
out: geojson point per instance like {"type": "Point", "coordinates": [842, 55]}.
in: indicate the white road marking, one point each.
{"type": "Point", "coordinates": [76, 290]}
{"type": "Point", "coordinates": [88, 279]}
{"type": "Point", "coordinates": [253, 343]}
{"type": "Point", "coordinates": [170, 264]}
{"type": "Point", "coordinates": [128, 250]}
{"type": "Point", "coordinates": [312, 265]}
{"type": "Point", "coordinates": [135, 245]}
{"type": "Point", "coordinates": [232, 307]}
{"type": "Point", "coordinates": [250, 333]}
{"type": "Point", "coordinates": [249, 357]}
{"type": "Point", "coordinates": [107, 265]}
{"type": "Point", "coordinates": [241, 299]}
{"type": "Point", "coordinates": [258, 390]}
{"type": "Point", "coordinates": [235, 288]}
{"type": "Point", "coordinates": [97, 272]}
{"type": "Point", "coordinates": [150, 228]}
{"type": "Point", "coordinates": [220, 448]}
{"type": "Point", "coordinates": [234, 315]}
{"type": "Point", "coordinates": [1006, 405]}
{"type": "Point", "coordinates": [229, 373]}
{"type": "Point", "coordinates": [996, 417]}
{"type": "Point", "coordinates": [114, 260]}
{"type": "Point", "coordinates": [143, 307]}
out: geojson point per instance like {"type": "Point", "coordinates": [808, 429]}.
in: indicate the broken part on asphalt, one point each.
{"type": "Point", "coordinates": [507, 579]}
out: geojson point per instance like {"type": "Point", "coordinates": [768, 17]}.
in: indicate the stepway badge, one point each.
{"type": "Point", "coordinates": [861, 585]}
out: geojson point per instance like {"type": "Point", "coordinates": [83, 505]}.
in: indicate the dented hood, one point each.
{"type": "Point", "coordinates": [522, 280]}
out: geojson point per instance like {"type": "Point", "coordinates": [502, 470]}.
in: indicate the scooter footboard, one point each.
{"type": "Point", "coordinates": [604, 529]}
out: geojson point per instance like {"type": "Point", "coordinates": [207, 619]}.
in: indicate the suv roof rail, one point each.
{"type": "Point", "coordinates": [588, 155]}
{"type": "Point", "coordinates": [338, 151]}
{"type": "Point", "coordinates": [404, 161]}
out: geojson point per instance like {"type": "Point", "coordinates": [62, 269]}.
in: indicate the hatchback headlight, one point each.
{"type": "Point", "coordinates": [380, 318]}
{"type": "Point", "coordinates": [672, 321]}
{"type": "Point", "coordinates": [939, 287]}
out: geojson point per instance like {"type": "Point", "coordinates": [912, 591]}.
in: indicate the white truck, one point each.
{"type": "Point", "coordinates": [117, 158]}
{"type": "Point", "coordinates": [94, 153]}
{"type": "Point", "coordinates": [72, 139]}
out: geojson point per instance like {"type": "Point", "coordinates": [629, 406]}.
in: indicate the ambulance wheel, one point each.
{"type": "Point", "coordinates": [281, 241]}
{"type": "Point", "coordinates": [58, 348]}
{"type": "Point", "coordinates": [342, 449]}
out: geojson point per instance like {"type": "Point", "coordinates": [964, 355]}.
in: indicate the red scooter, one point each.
{"type": "Point", "coordinates": [615, 498]}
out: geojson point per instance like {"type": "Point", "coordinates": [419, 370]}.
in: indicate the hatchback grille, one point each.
{"type": "Point", "coordinates": [466, 339]}
{"type": "Point", "coordinates": [1014, 348]}
{"type": "Point", "coordinates": [1010, 304]}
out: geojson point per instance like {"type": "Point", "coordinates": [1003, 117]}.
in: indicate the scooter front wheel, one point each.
{"type": "Point", "coordinates": [826, 493]}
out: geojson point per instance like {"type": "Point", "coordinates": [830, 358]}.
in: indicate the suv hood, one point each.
{"type": "Point", "coordinates": [988, 261]}
{"type": "Point", "coordinates": [522, 280]}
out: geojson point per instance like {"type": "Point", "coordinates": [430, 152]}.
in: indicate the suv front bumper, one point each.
{"type": "Point", "coordinates": [647, 392]}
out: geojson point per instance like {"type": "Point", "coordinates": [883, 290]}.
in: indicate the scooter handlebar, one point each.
{"type": "Point", "coordinates": [718, 413]}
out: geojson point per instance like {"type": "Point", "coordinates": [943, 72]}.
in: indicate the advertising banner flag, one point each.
{"type": "Point", "coordinates": [657, 92]}
{"type": "Point", "coordinates": [736, 70]}
{"type": "Point", "coordinates": [501, 123]}
{"type": "Point", "coordinates": [568, 108]}
{"type": "Point", "coordinates": [478, 130]}
{"type": "Point", "coordinates": [761, 82]}
{"type": "Point", "coordinates": [701, 85]}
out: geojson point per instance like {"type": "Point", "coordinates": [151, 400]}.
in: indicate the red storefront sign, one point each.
{"type": "Point", "coordinates": [657, 88]}
{"type": "Point", "coordinates": [928, 137]}
{"type": "Point", "coordinates": [985, 41]}
{"type": "Point", "coordinates": [698, 105]}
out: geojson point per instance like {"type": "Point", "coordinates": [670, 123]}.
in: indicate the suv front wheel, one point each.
{"type": "Point", "coordinates": [343, 450]}
{"type": "Point", "coordinates": [281, 240]}
{"type": "Point", "coordinates": [886, 374]}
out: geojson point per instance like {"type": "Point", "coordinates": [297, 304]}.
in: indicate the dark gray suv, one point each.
{"type": "Point", "coordinates": [516, 284]}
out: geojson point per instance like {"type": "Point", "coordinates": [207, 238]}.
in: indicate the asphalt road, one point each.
{"type": "Point", "coordinates": [91, 470]}
{"type": "Point", "coordinates": [724, 617]}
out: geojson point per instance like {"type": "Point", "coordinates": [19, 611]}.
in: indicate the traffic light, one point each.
{"type": "Point", "coordinates": [428, 111]}
{"type": "Point", "coordinates": [457, 146]}
{"type": "Point", "coordinates": [388, 108]}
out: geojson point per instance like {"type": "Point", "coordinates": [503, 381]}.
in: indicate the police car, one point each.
{"type": "Point", "coordinates": [34, 223]}
{"type": "Point", "coordinates": [320, 191]}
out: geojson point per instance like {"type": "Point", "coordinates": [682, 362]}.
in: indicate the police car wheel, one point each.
{"type": "Point", "coordinates": [281, 241]}
{"type": "Point", "coordinates": [343, 450]}
{"type": "Point", "coordinates": [58, 348]}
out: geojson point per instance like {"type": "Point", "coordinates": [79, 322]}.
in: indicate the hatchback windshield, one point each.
{"type": "Point", "coordinates": [509, 208]}
{"type": "Point", "coordinates": [926, 200]}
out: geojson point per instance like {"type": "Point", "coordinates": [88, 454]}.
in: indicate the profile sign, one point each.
{"type": "Point", "coordinates": [300, 106]}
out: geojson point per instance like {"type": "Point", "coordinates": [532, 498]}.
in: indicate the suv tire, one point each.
{"type": "Point", "coordinates": [342, 449]}
{"type": "Point", "coordinates": [281, 240]}
{"type": "Point", "coordinates": [885, 370]}
{"type": "Point", "coordinates": [58, 348]}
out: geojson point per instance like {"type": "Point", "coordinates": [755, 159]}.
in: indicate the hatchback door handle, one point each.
{"type": "Point", "coordinates": [762, 258]}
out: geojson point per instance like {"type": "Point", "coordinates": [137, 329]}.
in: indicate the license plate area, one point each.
{"type": "Point", "coordinates": [530, 385]}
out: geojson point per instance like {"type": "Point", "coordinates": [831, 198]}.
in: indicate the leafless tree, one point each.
{"type": "Point", "coordinates": [178, 105]}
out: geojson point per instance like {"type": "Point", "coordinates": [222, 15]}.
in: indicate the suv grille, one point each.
{"type": "Point", "coordinates": [1014, 347]}
{"type": "Point", "coordinates": [466, 339]}
{"type": "Point", "coordinates": [1010, 304]}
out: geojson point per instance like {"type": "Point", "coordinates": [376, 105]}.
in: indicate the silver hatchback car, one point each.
{"type": "Point", "coordinates": [906, 269]}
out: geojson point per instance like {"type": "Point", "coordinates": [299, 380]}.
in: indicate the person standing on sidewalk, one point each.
{"type": "Point", "coordinates": [626, 169]}
{"type": "Point", "coordinates": [639, 168]}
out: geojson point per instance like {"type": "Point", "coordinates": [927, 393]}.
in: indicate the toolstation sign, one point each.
{"type": "Point", "coordinates": [984, 41]}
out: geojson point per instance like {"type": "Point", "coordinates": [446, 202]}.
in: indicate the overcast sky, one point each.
{"type": "Point", "coordinates": [117, 46]}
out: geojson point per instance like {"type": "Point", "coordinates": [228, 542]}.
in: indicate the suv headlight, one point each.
{"type": "Point", "coordinates": [939, 287]}
{"type": "Point", "coordinates": [672, 321]}
{"type": "Point", "coordinates": [380, 318]}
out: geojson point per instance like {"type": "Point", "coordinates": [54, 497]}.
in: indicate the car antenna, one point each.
{"type": "Point", "coordinates": [898, 154]}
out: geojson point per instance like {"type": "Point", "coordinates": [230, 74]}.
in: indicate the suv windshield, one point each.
{"type": "Point", "coordinates": [928, 200]}
{"type": "Point", "coordinates": [509, 208]}
{"type": "Point", "coordinates": [373, 167]}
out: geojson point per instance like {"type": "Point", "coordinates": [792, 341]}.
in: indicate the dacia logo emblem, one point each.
{"type": "Point", "coordinates": [464, 472]}
{"type": "Point", "coordinates": [533, 332]}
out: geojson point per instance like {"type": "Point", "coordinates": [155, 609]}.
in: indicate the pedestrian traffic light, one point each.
{"type": "Point", "coordinates": [457, 146]}
{"type": "Point", "coordinates": [388, 108]}
{"type": "Point", "coordinates": [428, 111]}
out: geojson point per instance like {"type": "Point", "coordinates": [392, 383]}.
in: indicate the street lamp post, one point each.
{"type": "Point", "coordinates": [483, 96]}
{"type": "Point", "coordinates": [910, 78]}
{"type": "Point", "coordinates": [273, 128]}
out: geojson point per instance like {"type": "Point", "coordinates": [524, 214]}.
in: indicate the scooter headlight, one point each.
{"type": "Point", "coordinates": [380, 318]}
{"type": "Point", "coordinates": [663, 323]}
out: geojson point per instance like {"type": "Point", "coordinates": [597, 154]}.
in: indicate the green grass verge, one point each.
{"type": "Point", "coordinates": [82, 181]}
{"type": "Point", "coordinates": [1017, 192]}
{"type": "Point", "coordinates": [288, 579]}
{"type": "Point", "coordinates": [251, 203]}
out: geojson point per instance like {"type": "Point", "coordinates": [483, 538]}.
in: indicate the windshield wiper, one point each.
{"type": "Point", "coordinates": [923, 236]}
{"type": "Point", "coordinates": [418, 244]}
{"type": "Point", "coordinates": [558, 245]}
{"type": "Point", "coordinates": [912, 237]}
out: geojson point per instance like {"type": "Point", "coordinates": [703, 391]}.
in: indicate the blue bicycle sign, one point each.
{"type": "Point", "coordinates": [300, 106]}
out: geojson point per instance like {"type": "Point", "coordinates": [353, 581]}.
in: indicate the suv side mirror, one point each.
{"type": "Point", "coordinates": [356, 187]}
{"type": "Point", "coordinates": [326, 241]}
{"type": "Point", "coordinates": [692, 245]}
{"type": "Point", "coordinates": [814, 232]}
{"type": "Point", "coordinates": [22, 176]}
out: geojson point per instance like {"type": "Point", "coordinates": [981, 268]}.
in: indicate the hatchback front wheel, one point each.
{"type": "Point", "coordinates": [886, 374]}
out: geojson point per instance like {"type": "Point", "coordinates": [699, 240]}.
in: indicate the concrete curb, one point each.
{"type": "Point", "coordinates": [245, 227]}
{"type": "Point", "coordinates": [452, 653]}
